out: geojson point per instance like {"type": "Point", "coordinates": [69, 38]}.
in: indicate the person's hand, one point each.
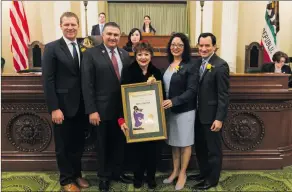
{"type": "Point", "coordinates": [216, 126]}
{"type": "Point", "coordinates": [167, 104]}
{"type": "Point", "coordinates": [151, 80]}
{"type": "Point", "coordinates": [94, 118]}
{"type": "Point", "coordinates": [124, 128]}
{"type": "Point", "coordinates": [57, 116]}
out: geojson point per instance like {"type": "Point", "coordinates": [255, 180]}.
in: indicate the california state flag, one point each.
{"type": "Point", "coordinates": [272, 27]}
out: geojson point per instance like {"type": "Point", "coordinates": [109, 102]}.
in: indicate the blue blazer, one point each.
{"type": "Point", "coordinates": [184, 87]}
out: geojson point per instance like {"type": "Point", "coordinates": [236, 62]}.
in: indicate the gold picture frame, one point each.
{"type": "Point", "coordinates": [147, 125]}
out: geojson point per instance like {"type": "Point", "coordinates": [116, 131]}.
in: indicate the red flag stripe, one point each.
{"type": "Point", "coordinates": [266, 57]}
{"type": "Point", "coordinates": [16, 32]}
{"type": "Point", "coordinates": [25, 24]}
{"type": "Point", "coordinates": [21, 51]}
{"type": "Point", "coordinates": [20, 11]}
{"type": "Point", "coordinates": [17, 53]}
{"type": "Point", "coordinates": [20, 37]}
{"type": "Point", "coordinates": [16, 65]}
{"type": "Point", "coordinates": [17, 61]}
{"type": "Point", "coordinates": [17, 23]}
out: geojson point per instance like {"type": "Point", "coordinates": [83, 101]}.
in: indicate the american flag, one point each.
{"type": "Point", "coordinates": [20, 35]}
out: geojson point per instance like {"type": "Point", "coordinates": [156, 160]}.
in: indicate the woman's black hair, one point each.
{"type": "Point", "coordinates": [278, 55]}
{"type": "Point", "coordinates": [186, 55]}
{"type": "Point", "coordinates": [129, 43]}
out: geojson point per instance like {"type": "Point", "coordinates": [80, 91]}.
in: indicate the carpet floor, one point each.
{"type": "Point", "coordinates": [270, 180]}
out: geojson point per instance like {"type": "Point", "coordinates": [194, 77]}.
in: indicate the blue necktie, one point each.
{"type": "Point", "coordinates": [202, 68]}
{"type": "Point", "coordinates": [75, 54]}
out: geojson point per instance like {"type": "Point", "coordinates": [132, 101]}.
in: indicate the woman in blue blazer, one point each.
{"type": "Point", "coordinates": [181, 83]}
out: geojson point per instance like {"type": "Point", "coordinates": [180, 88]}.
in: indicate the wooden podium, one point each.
{"type": "Point", "coordinates": [257, 133]}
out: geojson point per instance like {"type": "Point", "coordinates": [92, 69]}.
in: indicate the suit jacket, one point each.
{"type": "Point", "coordinates": [95, 30]}
{"type": "Point", "coordinates": [101, 87]}
{"type": "Point", "coordinates": [270, 68]}
{"type": "Point", "coordinates": [61, 78]}
{"type": "Point", "coordinates": [183, 88]}
{"type": "Point", "coordinates": [213, 97]}
{"type": "Point", "coordinates": [128, 48]}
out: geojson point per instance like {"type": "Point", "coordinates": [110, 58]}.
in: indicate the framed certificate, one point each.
{"type": "Point", "coordinates": [143, 112]}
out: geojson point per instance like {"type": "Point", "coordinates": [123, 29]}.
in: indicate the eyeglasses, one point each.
{"type": "Point", "coordinates": [177, 45]}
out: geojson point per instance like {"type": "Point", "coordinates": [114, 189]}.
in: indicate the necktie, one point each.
{"type": "Point", "coordinates": [75, 55]}
{"type": "Point", "coordinates": [115, 64]}
{"type": "Point", "coordinates": [101, 28]}
{"type": "Point", "coordinates": [202, 68]}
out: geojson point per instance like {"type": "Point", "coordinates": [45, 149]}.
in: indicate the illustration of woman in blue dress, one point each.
{"type": "Point", "coordinates": [138, 116]}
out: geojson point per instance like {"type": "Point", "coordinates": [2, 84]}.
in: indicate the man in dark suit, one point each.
{"type": "Point", "coordinates": [101, 70]}
{"type": "Point", "coordinates": [98, 29]}
{"type": "Point", "coordinates": [213, 100]}
{"type": "Point", "coordinates": [62, 89]}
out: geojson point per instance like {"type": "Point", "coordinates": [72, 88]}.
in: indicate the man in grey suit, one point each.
{"type": "Point", "coordinates": [98, 29]}
{"type": "Point", "coordinates": [213, 100]}
{"type": "Point", "coordinates": [101, 70]}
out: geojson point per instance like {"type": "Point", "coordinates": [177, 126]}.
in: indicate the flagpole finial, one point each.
{"type": "Point", "coordinates": [202, 3]}
{"type": "Point", "coordinates": [85, 7]}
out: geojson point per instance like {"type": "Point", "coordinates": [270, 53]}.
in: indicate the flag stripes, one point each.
{"type": "Point", "coordinates": [19, 33]}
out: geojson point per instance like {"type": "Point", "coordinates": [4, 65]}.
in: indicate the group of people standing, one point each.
{"type": "Point", "coordinates": [83, 89]}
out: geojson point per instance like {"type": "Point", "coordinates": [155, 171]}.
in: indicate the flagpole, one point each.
{"type": "Point", "coordinates": [202, 5]}
{"type": "Point", "coordinates": [85, 5]}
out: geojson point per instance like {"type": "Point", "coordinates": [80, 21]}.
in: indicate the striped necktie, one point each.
{"type": "Point", "coordinates": [202, 68]}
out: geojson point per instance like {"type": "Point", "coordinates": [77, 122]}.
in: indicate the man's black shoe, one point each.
{"type": "Point", "coordinates": [124, 179]}
{"type": "Point", "coordinates": [152, 183]}
{"type": "Point", "coordinates": [104, 186]}
{"type": "Point", "coordinates": [204, 185]}
{"type": "Point", "coordinates": [196, 177]}
{"type": "Point", "coordinates": [137, 183]}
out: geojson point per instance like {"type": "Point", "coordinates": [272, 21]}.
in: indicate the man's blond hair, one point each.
{"type": "Point", "coordinates": [69, 14]}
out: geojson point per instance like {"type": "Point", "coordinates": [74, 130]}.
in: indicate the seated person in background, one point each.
{"type": "Point", "coordinates": [278, 65]}
{"type": "Point", "coordinates": [147, 27]}
{"type": "Point", "coordinates": [134, 37]}
{"type": "Point", "coordinates": [98, 29]}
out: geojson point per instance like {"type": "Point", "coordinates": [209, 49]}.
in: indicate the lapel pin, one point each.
{"type": "Point", "coordinates": [103, 51]}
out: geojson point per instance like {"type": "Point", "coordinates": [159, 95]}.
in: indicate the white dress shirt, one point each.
{"type": "Point", "coordinates": [70, 47]}
{"type": "Point", "coordinates": [120, 63]}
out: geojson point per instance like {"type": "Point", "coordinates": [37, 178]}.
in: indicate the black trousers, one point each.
{"type": "Point", "coordinates": [145, 159]}
{"type": "Point", "coordinates": [208, 151]}
{"type": "Point", "coordinates": [110, 145]}
{"type": "Point", "coordinates": [69, 146]}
